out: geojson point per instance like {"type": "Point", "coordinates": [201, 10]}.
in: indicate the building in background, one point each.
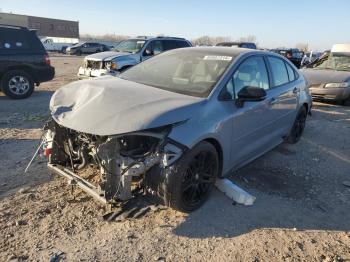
{"type": "Point", "coordinates": [47, 28]}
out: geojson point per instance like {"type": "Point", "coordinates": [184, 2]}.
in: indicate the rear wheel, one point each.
{"type": "Point", "coordinates": [345, 101]}
{"type": "Point", "coordinates": [298, 126]}
{"type": "Point", "coordinates": [193, 178]}
{"type": "Point", "coordinates": [17, 84]}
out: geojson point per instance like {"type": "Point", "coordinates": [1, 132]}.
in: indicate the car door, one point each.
{"type": "Point", "coordinates": [153, 48]}
{"type": "Point", "coordinates": [253, 132]}
{"type": "Point", "coordinates": [148, 51]}
{"type": "Point", "coordinates": [284, 94]}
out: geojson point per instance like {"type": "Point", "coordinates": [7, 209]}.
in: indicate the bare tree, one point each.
{"type": "Point", "coordinates": [106, 37]}
{"type": "Point", "coordinates": [209, 40]}
{"type": "Point", "coordinates": [248, 38]}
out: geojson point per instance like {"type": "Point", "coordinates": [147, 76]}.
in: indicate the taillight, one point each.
{"type": "Point", "coordinates": [47, 152]}
{"type": "Point", "coordinates": [47, 59]}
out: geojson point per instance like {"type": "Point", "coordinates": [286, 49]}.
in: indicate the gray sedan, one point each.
{"type": "Point", "coordinates": [172, 124]}
{"type": "Point", "coordinates": [329, 79]}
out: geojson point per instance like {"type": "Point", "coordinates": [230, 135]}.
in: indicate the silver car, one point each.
{"type": "Point", "coordinates": [172, 124]}
{"type": "Point", "coordinates": [329, 78]}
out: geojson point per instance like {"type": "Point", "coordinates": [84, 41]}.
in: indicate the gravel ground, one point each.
{"type": "Point", "coordinates": [301, 212]}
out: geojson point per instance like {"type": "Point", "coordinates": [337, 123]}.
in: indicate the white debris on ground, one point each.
{"type": "Point", "coordinates": [234, 192]}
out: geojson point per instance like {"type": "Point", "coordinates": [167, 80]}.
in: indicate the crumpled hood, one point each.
{"type": "Point", "coordinates": [317, 77]}
{"type": "Point", "coordinates": [105, 56]}
{"type": "Point", "coordinates": [110, 105]}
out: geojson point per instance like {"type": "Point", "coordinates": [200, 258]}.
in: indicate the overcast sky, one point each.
{"type": "Point", "coordinates": [320, 23]}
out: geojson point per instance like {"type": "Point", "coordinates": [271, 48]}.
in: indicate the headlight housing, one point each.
{"type": "Point", "coordinates": [337, 85]}
{"type": "Point", "coordinates": [110, 65]}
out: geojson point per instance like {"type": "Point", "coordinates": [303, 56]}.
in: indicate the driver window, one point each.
{"type": "Point", "coordinates": [252, 72]}
{"type": "Point", "coordinates": [157, 47]}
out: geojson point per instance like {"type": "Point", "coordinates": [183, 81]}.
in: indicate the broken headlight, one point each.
{"type": "Point", "coordinates": [110, 65]}
{"type": "Point", "coordinates": [337, 85]}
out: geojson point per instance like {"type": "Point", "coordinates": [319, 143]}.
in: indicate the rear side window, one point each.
{"type": "Point", "coordinates": [182, 44]}
{"type": "Point", "coordinates": [279, 71]}
{"type": "Point", "coordinates": [291, 73]}
{"type": "Point", "coordinates": [169, 44]}
{"type": "Point", "coordinates": [14, 39]}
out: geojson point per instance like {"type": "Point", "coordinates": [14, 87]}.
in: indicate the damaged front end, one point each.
{"type": "Point", "coordinates": [111, 168]}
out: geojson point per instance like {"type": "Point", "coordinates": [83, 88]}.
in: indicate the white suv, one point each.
{"type": "Point", "coordinates": [128, 53]}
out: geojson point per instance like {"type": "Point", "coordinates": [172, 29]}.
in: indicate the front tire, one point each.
{"type": "Point", "coordinates": [298, 126]}
{"type": "Point", "coordinates": [193, 178]}
{"type": "Point", "coordinates": [17, 84]}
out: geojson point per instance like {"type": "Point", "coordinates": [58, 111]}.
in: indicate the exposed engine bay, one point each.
{"type": "Point", "coordinates": [122, 163]}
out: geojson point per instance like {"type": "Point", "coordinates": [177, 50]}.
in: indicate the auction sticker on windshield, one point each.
{"type": "Point", "coordinates": [218, 57]}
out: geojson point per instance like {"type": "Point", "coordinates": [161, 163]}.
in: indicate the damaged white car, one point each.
{"type": "Point", "coordinates": [172, 124]}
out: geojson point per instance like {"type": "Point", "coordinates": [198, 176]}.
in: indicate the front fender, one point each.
{"type": "Point", "coordinates": [212, 122]}
{"type": "Point", "coordinates": [124, 61]}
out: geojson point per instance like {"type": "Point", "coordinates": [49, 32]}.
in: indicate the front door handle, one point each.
{"type": "Point", "coordinates": [273, 101]}
{"type": "Point", "coordinates": [295, 90]}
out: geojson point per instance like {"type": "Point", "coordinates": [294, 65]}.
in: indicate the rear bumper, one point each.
{"type": "Point", "coordinates": [334, 94]}
{"type": "Point", "coordinates": [44, 74]}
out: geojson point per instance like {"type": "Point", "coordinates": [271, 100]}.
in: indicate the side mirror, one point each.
{"type": "Point", "coordinates": [250, 93]}
{"type": "Point", "coordinates": [148, 52]}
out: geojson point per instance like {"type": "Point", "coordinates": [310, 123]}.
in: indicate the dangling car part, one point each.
{"type": "Point", "coordinates": [174, 123]}
{"type": "Point", "coordinates": [122, 161]}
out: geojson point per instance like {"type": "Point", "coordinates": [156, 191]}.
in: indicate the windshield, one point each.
{"type": "Point", "coordinates": [130, 46]}
{"type": "Point", "coordinates": [339, 62]}
{"type": "Point", "coordinates": [185, 71]}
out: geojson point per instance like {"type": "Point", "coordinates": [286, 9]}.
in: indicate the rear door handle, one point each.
{"type": "Point", "coordinates": [295, 90]}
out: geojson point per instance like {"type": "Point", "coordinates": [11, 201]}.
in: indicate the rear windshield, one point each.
{"type": "Point", "coordinates": [186, 71]}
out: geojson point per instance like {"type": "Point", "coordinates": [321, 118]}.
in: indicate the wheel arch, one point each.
{"type": "Point", "coordinates": [219, 151]}
{"type": "Point", "coordinates": [24, 68]}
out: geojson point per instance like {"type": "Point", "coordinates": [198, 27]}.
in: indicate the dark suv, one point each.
{"type": "Point", "coordinates": [248, 45]}
{"type": "Point", "coordinates": [23, 61]}
{"type": "Point", "coordinates": [292, 54]}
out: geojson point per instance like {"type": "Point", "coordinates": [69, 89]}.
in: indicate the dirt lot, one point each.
{"type": "Point", "coordinates": [302, 211]}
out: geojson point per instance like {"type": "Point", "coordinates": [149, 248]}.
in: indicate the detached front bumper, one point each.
{"type": "Point", "coordinates": [334, 94]}
{"type": "Point", "coordinates": [78, 181]}
{"type": "Point", "coordinates": [89, 72]}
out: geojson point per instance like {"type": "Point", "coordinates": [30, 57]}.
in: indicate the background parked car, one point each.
{"type": "Point", "coordinates": [310, 57]}
{"type": "Point", "coordinates": [128, 53]}
{"type": "Point", "coordinates": [23, 61]}
{"type": "Point", "coordinates": [86, 48]}
{"type": "Point", "coordinates": [58, 44]}
{"type": "Point", "coordinates": [238, 44]}
{"type": "Point", "coordinates": [329, 78]}
{"type": "Point", "coordinates": [292, 54]}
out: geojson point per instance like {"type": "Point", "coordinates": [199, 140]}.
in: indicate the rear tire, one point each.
{"type": "Point", "coordinates": [193, 178]}
{"type": "Point", "coordinates": [298, 126]}
{"type": "Point", "coordinates": [17, 84]}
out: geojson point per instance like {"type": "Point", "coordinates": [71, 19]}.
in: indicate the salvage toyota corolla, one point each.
{"type": "Point", "coordinates": [172, 124]}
